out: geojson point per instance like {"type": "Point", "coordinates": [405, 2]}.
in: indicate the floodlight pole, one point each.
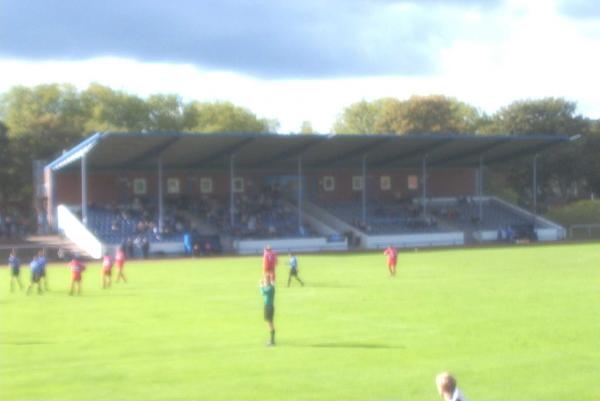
{"type": "Point", "coordinates": [299, 193]}
{"type": "Point", "coordinates": [161, 211]}
{"type": "Point", "coordinates": [231, 189]}
{"type": "Point", "coordinates": [364, 190]}
{"type": "Point", "coordinates": [424, 184]}
{"type": "Point", "coordinates": [84, 190]}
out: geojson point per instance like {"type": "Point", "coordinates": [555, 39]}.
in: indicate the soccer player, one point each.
{"type": "Point", "coordinates": [77, 267]}
{"type": "Point", "coordinates": [42, 268]}
{"type": "Point", "coordinates": [269, 262]}
{"type": "Point", "coordinates": [35, 275]}
{"type": "Point", "coordinates": [120, 262]}
{"type": "Point", "coordinates": [392, 258]}
{"type": "Point", "coordinates": [15, 270]}
{"type": "Point", "coordinates": [107, 265]}
{"type": "Point", "coordinates": [446, 386]}
{"type": "Point", "coordinates": [267, 289]}
{"type": "Point", "coordinates": [293, 262]}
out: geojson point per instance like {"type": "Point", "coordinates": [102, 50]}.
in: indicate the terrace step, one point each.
{"type": "Point", "coordinates": [55, 242]}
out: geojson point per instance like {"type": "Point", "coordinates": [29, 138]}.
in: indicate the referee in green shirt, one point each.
{"type": "Point", "coordinates": [267, 289]}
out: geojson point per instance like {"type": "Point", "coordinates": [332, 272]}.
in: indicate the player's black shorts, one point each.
{"type": "Point", "coordinates": [269, 312]}
{"type": "Point", "coordinates": [294, 272]}
{"type": "Point", "coordinates": [35, 277]}
{"type": "Point", "coordinates": [15, 271]}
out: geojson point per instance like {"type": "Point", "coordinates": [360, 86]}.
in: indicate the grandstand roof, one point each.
{"type": "Point", "coordinates": [109, 150]}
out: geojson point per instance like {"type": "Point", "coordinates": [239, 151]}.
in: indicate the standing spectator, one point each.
{"type": "Point", "coordinates": [145, 245]}
{"type": "Point", "coordinates": [446, 386]}
{"type": "Point", "coordinates": [15, 270]}
{"type": "Point", "coordinates": [188, 248]}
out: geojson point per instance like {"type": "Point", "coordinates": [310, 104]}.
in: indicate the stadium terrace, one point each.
{"type": "Point", "coordinates": [206, 193]}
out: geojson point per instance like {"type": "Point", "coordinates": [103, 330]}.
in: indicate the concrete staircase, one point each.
{"type": "Point", "coordinates": [53, 243]}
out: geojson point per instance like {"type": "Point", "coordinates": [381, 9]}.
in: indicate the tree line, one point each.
{"type": "Point", "coordinates": [39, 122]}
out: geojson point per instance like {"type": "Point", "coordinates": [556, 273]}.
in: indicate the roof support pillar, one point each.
{"type": "Point", "coordinates": [535, 188]}
{"type": "Point", "coordinates": [300, 194]}
{"type": "Point", "coordinates": [480, 187]}
{"type": "Point", "coordinates": [364, 190]}
{"type": "Point", "coordinates": [84, 190]}
{"type": "Point", "coordinates": [231, 191]}
{"type": "Point", "coordinates": [424, 184]}
{"type": "Point", "coordinates": [161, 211]}
{"type": "Point", "coordinates": [51, 214]}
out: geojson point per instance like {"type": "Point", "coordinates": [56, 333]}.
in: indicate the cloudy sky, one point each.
{"type": "Point", "coordinates": [297, 60]}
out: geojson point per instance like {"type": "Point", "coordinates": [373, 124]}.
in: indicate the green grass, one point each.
{"type": "Point", "coordinates": [511, 323]}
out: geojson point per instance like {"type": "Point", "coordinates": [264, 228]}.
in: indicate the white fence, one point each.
{"type": "Point", "coordinates": [247, 247]}
{"type": "Point", "coordinates": [415, 240]}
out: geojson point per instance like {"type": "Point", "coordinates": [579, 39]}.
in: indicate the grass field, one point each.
{"type": "Point", "coordinates": [519, 323]}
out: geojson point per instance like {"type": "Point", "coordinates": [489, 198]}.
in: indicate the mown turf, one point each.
{"type": "Point", "coordinates": [519, 323]}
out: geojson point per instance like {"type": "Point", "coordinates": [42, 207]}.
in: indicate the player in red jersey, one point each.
{"type": "Point", "coordinates": [269, 262]}
{"type": "Point", "coordinates": [120, 262]}
{"type": "Point", "coordinates": [392, 259]}
{"type": "Point", "coordinates": [77, 267]}
{"type": "Point", "coordinates": [107, 265]}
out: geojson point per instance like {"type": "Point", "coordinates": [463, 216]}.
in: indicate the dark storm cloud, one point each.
{"type": "Point", "coordinates": [266, 38]}
{"type": "Point", "coordinates": [580, 8]}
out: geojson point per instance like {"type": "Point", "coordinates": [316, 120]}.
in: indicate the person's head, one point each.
{"type": "Point", "coordinates": [446, 383]}
{"type": "Point", "coordinates": [268, 279]}
{"type": "Point", "coordinates": [41, 253]}
{"type": "Point", "coordinates": [106, 253]}
{"type": "Point", "coordinates": [13, 252]}
{"type": "Point", "coordinates": [267, 247]}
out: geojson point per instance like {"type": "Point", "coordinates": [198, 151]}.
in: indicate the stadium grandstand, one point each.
{"type": "Point", "coordinates": [170, 192]}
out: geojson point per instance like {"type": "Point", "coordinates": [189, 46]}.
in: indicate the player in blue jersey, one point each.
{"type": "Point", "coordinates": [42, 269]}
{"type": "Point", "coordinates": [35, 276]}
{"type": "Point", "coordinates": [293, 262]}
{"type": "Point", "coordinates": [15, 270]}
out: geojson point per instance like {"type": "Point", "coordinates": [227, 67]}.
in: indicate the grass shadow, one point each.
{"type": "Point", "coordinates": [328, 285]}
{"type": "Point", "coordinates": [355, 345]}
{"type": "Point", "coordinates": [24, 343]}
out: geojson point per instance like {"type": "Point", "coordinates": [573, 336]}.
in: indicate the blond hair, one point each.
{"type": "Point", "coordinates": [445, 382]}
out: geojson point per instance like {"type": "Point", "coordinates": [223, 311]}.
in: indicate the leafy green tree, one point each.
{"type": "Point", "coordinates": [547, 116]}
{"type": "Point", "coordinates": [358, 118]}
{"type": "Point", "coordinates": [437, 114]}
{"type": "Point", "coordinates": [165, 113]}
{"type": "Point", "coordinates": [433, 114]}
{"type": "Point", "coordinates": [5, 162]}
{"type": "Point", "coordinates": [223, 117]}
{"type": "Point", "coordinates": [560, 175]}
{"type": "Point", "coordinates": [110, 110]}
{"type": "Point", "coordinates": [306, 128]}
